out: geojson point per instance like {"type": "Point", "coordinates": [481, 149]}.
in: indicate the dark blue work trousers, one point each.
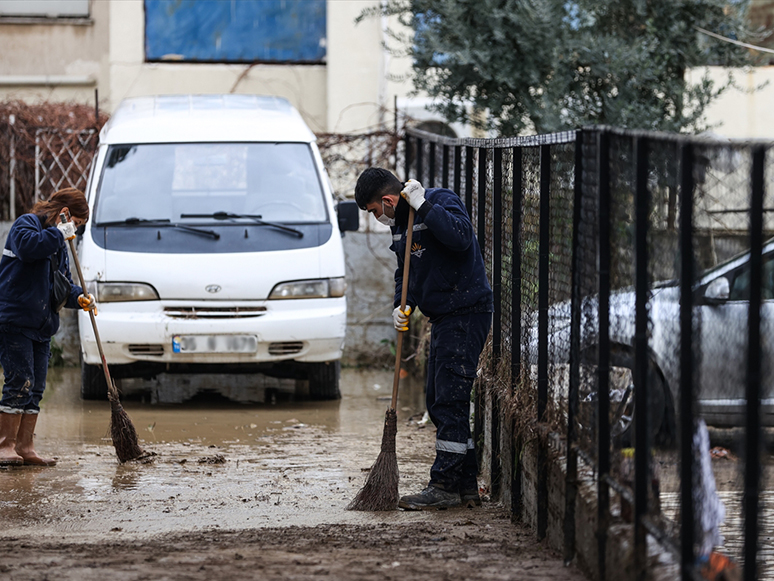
{"type": "Point", "coordinates": [456, 343]}
{"type": "Point", "coordinates": [25, 365]}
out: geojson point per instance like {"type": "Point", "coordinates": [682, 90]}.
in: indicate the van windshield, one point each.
{"type": "Point", "coordinates": [274, 181]}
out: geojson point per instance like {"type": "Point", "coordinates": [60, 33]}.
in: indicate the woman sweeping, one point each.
{"type": "Point", "coordinates": [35, 283]}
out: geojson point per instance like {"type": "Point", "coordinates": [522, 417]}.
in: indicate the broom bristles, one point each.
{"type": "Point", "coordinates": [123, 434]}
{"type": "Point", "coordinates": [380, 491]}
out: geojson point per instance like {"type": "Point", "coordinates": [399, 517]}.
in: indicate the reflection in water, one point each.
{"type": "Point", "coordinates": [17, 484]}
{"type": "Point", "coordinates": [127, 477]}
{"type": "Point", "coordinates": [66, 420]}
{"type": "Point", "coordinates": [218, 463]}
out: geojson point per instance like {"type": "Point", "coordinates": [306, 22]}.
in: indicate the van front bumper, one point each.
{"type": "Point", "coordinates": [307, 330]}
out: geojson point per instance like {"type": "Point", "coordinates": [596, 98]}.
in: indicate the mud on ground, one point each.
{"type": "Point", "coordinates": [451, 547]}
{"type": "Point", "coordinates": [245, 491]}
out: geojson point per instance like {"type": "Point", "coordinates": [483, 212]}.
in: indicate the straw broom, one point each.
{"type": "Point", "coordinates": [122, 431]}
{"type": "Point", "coordinates": [380, 491]}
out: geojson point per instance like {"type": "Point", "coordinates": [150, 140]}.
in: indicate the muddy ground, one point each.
{"type": "Point", "coordinates": [245, 491]}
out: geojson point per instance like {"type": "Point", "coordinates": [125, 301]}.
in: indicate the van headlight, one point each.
{"type": "Point", "coordinates": [115, 292]}
{"type": "Point", "coordinates": [322, 288]}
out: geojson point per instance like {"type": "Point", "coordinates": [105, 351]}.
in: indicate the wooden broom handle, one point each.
{"type": "Point", "coordinates": [111, 388]}
{"type": "Point", "coordinates": [403, 294]}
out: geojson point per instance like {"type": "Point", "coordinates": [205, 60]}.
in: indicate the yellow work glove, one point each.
{"type": "Point", "coordinates": [87, 303]}
{"type": "Point", "coordinates": [400, 318]}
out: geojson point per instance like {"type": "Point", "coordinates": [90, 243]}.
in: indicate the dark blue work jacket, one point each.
{"type": "Point", "coordinates": [25, 278]}
{"type": "Point", "coordinates": [446, 271]}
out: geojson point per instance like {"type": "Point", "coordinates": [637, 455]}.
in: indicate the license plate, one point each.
{"type": "Point", "coordinates": [214, 344]}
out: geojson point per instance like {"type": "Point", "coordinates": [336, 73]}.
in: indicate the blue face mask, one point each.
{"type": "Point", "coordinates": [384, 219]}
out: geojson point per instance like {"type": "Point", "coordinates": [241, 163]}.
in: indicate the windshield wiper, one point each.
{"type": "Point", "coordinates": [254, 217]}
{"type": "Point", "coordinates": [164, 222]}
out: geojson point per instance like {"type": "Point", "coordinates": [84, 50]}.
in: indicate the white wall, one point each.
{"type": "Point", "coordinates": [54, 59]}
{"type": "Point", "coordinates": [743, 111]}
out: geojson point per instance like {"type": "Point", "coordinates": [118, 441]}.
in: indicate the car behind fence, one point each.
{"type": "Point", "coordinates": [634, 304]}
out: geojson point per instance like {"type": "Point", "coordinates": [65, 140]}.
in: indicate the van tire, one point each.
{"type": "Point", "coordinates": [324, 380]}
{"type": "Point", "coordinates": [93, 385]}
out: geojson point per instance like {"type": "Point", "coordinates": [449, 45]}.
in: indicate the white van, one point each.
{"type": "Point", "coordinates": [214, 251]}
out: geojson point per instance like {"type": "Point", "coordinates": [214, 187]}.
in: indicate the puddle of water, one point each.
{"type": "Point", "coordinates": [219, 464]}
{"type": "Point", "coordinates": [66, 420]}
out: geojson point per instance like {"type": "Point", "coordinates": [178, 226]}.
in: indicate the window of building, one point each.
{"type": "Point", "coordinates": [44, 8]}
{"type": "Point", "coordinates": [243, 31]}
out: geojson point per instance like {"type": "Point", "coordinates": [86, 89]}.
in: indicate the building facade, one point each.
{"type": "Point", "coordinates": [335, 71]}
{"type": "Point", "coordinates": [312, 52]}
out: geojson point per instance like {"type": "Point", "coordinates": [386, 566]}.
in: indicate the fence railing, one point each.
{"type": "Point", "coordinates": [634, 294]}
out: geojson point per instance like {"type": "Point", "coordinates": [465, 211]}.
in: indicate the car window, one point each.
{"type": "Point", "coordinates": [740, 285]}
{"type": "Point", "coordinates": [276, 181]}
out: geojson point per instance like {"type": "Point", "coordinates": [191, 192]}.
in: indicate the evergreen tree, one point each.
{"type": "Point", "coordinates": [549, 65]}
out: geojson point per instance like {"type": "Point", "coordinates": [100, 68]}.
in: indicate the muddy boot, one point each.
{"type": "Point", "coordinates": [24, 446]}
{"type": "Point", "coordinates": [470, 498]}
{"type": "Point", "coordinates": [9, 427]}
{"type": "Point", "coordinates": [431, 498]}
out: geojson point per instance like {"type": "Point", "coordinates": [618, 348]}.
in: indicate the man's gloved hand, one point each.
{"type": "Point", "coordinates": [87, 303]}
{"type": "Point", "coordinates": [67, 229]}
{"type": "Point", "coordinates": [414, 193]}
{"type": "Point", "coordinates": [400, 318]}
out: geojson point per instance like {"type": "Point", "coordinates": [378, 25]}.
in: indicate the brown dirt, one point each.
{"type": "Point", "coordinates": [460, 548]}
{"type": "Point", "coordinates": [245, 491]}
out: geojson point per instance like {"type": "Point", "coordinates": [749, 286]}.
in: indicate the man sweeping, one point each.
{"type": "Point", "coordinates": [447, 282]}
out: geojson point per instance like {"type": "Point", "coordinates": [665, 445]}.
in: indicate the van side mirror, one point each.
{"type": "Point", "coordinates": [717, 291]}
{"type": "Point", "coordinates": [349, 216]}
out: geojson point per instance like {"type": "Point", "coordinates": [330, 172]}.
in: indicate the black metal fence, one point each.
{"type": "Point", "coordinates": [633, 330]}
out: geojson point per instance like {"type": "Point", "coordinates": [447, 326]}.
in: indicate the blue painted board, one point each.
{"type": "Point", "coordinates": [235, 30]}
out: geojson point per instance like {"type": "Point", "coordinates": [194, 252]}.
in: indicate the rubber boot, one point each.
{"type": "Point", "coordinates": [9, 427]}
{"type": "Point", "coordinates": [24, 446]}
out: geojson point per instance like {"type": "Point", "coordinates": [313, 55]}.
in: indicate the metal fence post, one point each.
{"type": "Point", "coordinates": [480, 403]}
{"type": "Point", "coordinates": [445, 168]}
{"type": "Point", "coordinates": [406, 159]}
{"type": "Point", "coordinates": [457, 169]}
{"type": "Point", "coordinates": [516, 501]}
{"type": "Point", "coordinates": [482, 241]}
{"type": "Point", "coordinates": [603, 361]}
{"type": "Point", "coordinates": [753, 432]}
{"type": "Point", "coordinates": [497, 275]}
{"type": "Point", "coordinates": [469, 181]}
{"type": "Point", "coordinates": [543, 296]}
{"type": "Point", "coordinates": [420, 152]}
{"type": "Point", "coordinates": [687, 424]}
{"type": "Point", "coordinates": [641, 444]}
{"type": "Point", "coordinates": [573, 396]}
{"type": "Point", "coordinates": [431, 165]}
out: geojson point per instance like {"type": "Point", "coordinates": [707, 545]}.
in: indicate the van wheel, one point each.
{"type": "Point", "coordinates": [93, 385]}
{"type": "Point", "coordinates": [324, 380]}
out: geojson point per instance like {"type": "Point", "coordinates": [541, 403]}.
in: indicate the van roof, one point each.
{"type": "Point", "coordinates": [205, 118]}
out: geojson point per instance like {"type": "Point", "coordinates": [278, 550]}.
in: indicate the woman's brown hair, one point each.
{"type": "Point", "coordinates": [71, 198]}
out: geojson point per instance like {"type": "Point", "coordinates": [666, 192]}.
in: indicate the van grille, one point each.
{"type": "Point", "coordinates": [214, 312]}
{"type": "Point", "coordinates": [153, 350]}
{"type": "Point", "coordinates": [285, 348]}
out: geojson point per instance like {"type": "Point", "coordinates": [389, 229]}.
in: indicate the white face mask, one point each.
{"type": "Point", "coordinates": [385, 219]}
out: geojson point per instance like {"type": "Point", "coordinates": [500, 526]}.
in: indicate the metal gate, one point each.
{"type": "Point", "coordinates": [63, 158]}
